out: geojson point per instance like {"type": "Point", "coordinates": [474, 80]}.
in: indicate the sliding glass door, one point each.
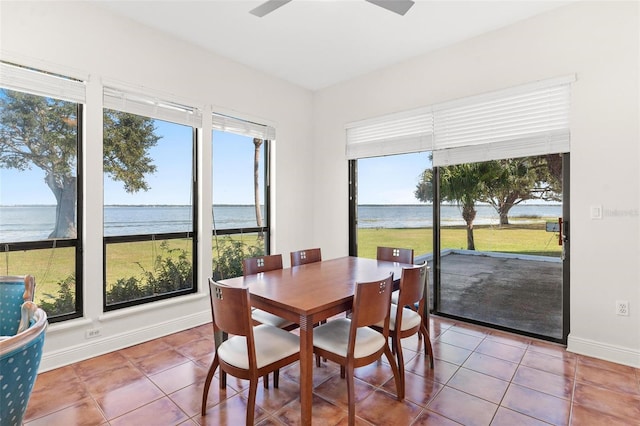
{"type": "Point", "coordinates": [500, 258]}
{"type": "Point", "coordinates": [497, 226]}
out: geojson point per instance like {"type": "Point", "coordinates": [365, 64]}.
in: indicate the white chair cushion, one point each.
{"type": "Point", "coordinates": [272, 344]}
{"type": "Point", "coordinates": [334, 337]}
{"type": "Point", "coordinates": [410, 319]}
{"type": "Point", "coordinates": [265, 317]}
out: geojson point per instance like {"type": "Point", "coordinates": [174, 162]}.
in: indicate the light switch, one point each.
{"type": "Point", "coordinates": [596, 212]}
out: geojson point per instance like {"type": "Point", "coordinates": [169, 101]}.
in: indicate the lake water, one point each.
{"type": "Point", "coordinates": [32, 223]}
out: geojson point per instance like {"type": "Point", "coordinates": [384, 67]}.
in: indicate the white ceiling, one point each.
{"type": "Point", "coordinates": [317, 43]}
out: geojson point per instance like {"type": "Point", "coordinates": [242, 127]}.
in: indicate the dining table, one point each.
{"type": "Point", "coordinates": [308, 294]}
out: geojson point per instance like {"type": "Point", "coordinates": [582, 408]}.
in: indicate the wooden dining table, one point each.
{"type": "Point", "coordinates": [308, 294]}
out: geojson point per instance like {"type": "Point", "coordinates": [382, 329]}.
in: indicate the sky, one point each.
{"type": "Point", "coordinates": [392, 179]}
{"type": "Point", "coordinates": [233, 173]}
{"type": "Point", "coordinates": [382, 180]}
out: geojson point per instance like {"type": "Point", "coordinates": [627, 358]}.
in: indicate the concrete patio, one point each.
{"type": "Point", "coordinates": [516, 291]}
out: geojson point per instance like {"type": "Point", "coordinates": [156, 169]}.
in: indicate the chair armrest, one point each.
{"type": "Point", "coordinates": [38, 326]}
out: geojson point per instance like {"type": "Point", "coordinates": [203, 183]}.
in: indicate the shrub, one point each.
{"type": "Point", "coordinates": [228, 264]}
{"type": "Point", "coordinates": [64, 302]}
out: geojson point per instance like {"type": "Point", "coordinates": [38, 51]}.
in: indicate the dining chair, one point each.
{"type": "Point", "coordinates": [405, 321]}
{"type": "Point", "coordinates": [395, 254]}
{"type": "Point", "coordinates": [351, 343]}
{"type": "Point", "coordinates": [302, 257]}
{"type": "Point", "coordinates": [252, 351]}
{"type": "Point", "coordinates": [257, 265]}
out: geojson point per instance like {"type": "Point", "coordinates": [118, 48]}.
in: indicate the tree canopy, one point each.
{"type": "Point", "coordinates": [41, 132]}
{"type": "Point", "coordinates": [513, 181]}
{"type": "Point", "coordinates": [500, 183]}
{"type": "Point", "coordinates": [461, 184]}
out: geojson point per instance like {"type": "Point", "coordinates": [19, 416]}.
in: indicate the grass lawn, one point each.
{"type": "Point", "coordinates": [517, 238]}
{"type": "Point", "coordinates": [50, 266]}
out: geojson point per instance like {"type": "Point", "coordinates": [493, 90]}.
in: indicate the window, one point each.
{"type": "Point", "coordinates": [40, 173]}
{"type": "Point", "coordinates": [240, 209]}
{"type": "Point", "coordinates": [150, 199]}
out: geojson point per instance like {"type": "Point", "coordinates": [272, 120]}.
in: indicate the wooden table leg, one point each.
{"type": "Point", "coordinates": [306, 370]}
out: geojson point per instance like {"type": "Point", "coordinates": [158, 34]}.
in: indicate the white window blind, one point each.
{"type": "Point", "coordinates": [229, 124]}
{"type": "Point", "coordinates": [150, 106]}
{"type": "Point", "coordinates": [39, 83]}
{"type": "Point", "coordinates": [527, 120]}
{"type": "Point", "coordinates": [404, 132]}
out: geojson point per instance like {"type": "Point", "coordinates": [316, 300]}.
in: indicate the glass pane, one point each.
{"type": "Point", "coordinates": [239, 201]}
{"type": "Point", "coordinates": [139, 270]}
{"type": "Point", "coordinates": [148, 175]}
{"type": "Point", "coordinates": [148, 183]}
{"type": "Point", "coordinates": [38, 194]}
{"type": "Point", "coordinates": [389, 212]}
{"type": "Point", "coordinates": [38, 156]}
{"type": "Point", "coordinates": [54, 272]}
{"type": "Point", "coordinates": [499, 243]}
{"type": "Point", "coordinates": [238, 181]}
{"type": "Point", "coordinates": [229, 250]}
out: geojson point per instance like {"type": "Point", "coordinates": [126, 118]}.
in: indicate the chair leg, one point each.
{"type": "Point", "coordinates": [396, 374]}
{"type": "Point", "coordinates": [265, 381]}
{"type": "Point", "coordinates": [428, 349]}
{"type": "Point", "coordinates": [276, 378]}
{"type": "Point", "coordinates": [318, 356]}
{"type": "Point", "coordinates": [251, 403]}
{"type": "Point", "coordinates": [351, 400]}
{"type": "Point", "coordinates": [400, 356]}
{"type": "Point", "coordinates": [342, 372]}
{"type": "Point", "coordinates": [207, 383]}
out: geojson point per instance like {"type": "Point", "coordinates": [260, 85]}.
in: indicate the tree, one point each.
{"type": "Point", "coordinates": [42, 132]}
{"type": "Point", "coordinates": [461, 184]}
{"type": "Point", "coordinates": [512, 181]}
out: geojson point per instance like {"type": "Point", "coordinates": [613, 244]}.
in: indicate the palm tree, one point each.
{"type": "Point", "coordinates": [462, 184]}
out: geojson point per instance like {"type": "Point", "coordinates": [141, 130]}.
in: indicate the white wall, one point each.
{"type": "Point", "coordinates": [597, 41]}
{"type": "Point", "coordinates": [78, 39]}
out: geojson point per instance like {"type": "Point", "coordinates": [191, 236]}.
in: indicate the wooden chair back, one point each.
{"type": "Point", "coordinates": [231, 309]}
{"type": "Point", "coordinates": [394, 254]}
{"type": "Point", "coordinates": [371, 303]}
{"type": "Point", "coordinates": [302, 257]}
{"type": "Point", "coordinates": [255, 265]}
{"type": "Point", "coordinates": [412, 285]}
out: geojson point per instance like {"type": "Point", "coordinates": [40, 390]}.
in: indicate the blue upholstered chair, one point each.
{"type": "Point", "coordinates": [22, 330]}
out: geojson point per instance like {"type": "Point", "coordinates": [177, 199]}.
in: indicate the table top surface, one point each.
{"type": "Point", "coordinates": [310, 288]}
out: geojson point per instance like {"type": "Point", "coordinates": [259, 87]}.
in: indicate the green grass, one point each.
{"type": "Point", "coordinates": [517, 238]}
{"type": "Point", "coordinates": [50, 266]}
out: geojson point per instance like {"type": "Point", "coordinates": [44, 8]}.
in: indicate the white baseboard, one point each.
{"type": "Point", "coordinates": [89, 349]}
{"type": "Point", "coordinates": [613, 353]}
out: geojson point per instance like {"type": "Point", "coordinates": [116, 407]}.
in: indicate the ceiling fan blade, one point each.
{"type": "Point", "coordinates": [268, 7]}
{"type": "Point", "coordinates": [398, 6]}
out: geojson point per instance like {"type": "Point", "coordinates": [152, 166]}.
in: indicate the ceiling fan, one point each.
{"type": "Point", "coordinates": [398, 6]}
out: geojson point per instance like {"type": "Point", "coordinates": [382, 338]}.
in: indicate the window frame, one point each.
{"type": "Point", "coordinates": [106, 240]}
{"type": "Point", "coordinates": [8, 247]}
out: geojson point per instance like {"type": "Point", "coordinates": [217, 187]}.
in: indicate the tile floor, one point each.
{"type": "Point", "coordinates": [481, 377]}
